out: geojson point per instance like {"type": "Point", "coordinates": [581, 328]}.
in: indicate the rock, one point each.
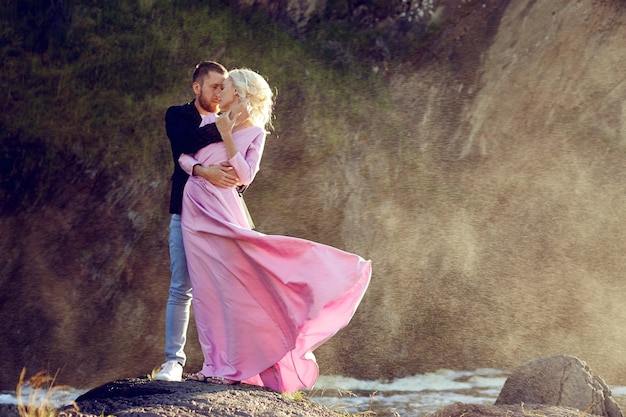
{"type": "Point", "coordinates": [9, 410]}
{"type": "Point", "coordinates": [142, 397]}
{"type": "Point", "coordinates": [519, 410]}
{"type": "Point", "coordinates": [563, 381]}
{"type": "Point", "coordinates": [555, 386]}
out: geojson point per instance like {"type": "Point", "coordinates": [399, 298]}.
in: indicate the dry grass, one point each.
{"type": "Point", "coordinates": [339, 409]}
{"type": "Point", "coordinates": [34, 397]}
{"type": "Point", "coordinates": [154, 372]}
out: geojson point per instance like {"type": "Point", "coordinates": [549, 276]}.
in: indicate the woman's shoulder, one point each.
{"type": "Point", "coordinates": [251, 131]}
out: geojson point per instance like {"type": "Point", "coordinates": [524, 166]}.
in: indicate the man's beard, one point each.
{"type": "Point", "coordinates": [207, 105]}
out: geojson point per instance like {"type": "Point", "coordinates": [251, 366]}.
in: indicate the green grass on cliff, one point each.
{"type": "Point", "coordinates": [85, 84]}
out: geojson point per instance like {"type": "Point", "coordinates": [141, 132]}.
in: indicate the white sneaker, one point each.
{"type": "Point", "coordinates": [170, 371]}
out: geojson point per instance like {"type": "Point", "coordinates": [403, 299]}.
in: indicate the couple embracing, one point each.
{"type": "Point", "coordinates": [262, 303]}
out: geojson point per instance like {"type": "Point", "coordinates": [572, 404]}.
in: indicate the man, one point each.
{"type": "Point", "coordinates": [188, 132]}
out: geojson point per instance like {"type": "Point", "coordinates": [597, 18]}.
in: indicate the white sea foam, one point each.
{"type": "Point", "coordinates": [411, 395]}
{"type": "Point", "coordinates": [58, 398]}
{"type": "Point", "coordinates": [442, 380]}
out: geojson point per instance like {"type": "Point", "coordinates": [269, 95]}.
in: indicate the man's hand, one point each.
{"type": "Point", "coordinates": [223, 175]}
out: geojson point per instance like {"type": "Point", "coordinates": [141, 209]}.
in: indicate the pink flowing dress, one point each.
{"type": "Point", "coordinates": [262, 303]}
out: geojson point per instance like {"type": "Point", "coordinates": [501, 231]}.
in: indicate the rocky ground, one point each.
{"type": "Point", "coordinates": [143, 397]}
{"type": "Point", "coordinates": [556, 386]}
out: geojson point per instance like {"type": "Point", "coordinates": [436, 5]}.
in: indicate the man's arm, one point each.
{"type": "Point", "coordinates": [187, 138]}
{"type": "Point", "coordinates": [219, 175]}
{"type": "Point", "coordinates": [184, 133]}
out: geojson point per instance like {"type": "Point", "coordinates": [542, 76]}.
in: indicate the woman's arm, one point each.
{"type": "Point", "coordinates": [246, 166]}
{"type": "Point", "coordinates": [225, 125]}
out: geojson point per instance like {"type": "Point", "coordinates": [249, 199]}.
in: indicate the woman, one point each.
{"type": "Point", "coordinates": [262, 303]}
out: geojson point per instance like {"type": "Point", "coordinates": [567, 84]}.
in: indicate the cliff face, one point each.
{"type": "Point", "coordinates": [508, 227]}
{"type": "Point", "coordinates": [489, 191]}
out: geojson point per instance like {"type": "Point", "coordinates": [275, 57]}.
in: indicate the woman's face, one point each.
{"type": "Point", "coordinates": [228, 96]}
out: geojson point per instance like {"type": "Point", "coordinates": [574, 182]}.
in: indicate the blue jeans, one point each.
{"type": "Point", "coordinates": [179, 300]}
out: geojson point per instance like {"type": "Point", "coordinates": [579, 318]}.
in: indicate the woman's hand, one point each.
{"type": "Point", "coordinates": [225, 125]}
{"type": "Point", "coordinates": [232, 118]}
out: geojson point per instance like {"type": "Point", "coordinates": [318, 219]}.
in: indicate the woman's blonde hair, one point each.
{"type": "Point", "coordinates": [254, 91]}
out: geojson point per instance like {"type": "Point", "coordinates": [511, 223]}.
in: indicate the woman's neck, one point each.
{"type": "Point", "coordinates": [243, 125]}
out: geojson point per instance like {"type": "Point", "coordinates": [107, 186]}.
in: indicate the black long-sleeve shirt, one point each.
{"type": "Point", "coordinates": [181, 124]}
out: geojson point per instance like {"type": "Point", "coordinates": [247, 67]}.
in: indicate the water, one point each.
{"type": "Point", "coordinates": [411, 396]}
{"type": "Point", "coordinates": [417, 395]}
{"type": "Point", "coordinates": [37, 397]}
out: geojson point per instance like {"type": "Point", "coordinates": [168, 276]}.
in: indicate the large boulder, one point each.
{"type": "Point", "coordinates": [555, 386]}
{"type": "Point", "coordinates": [519, 410]}
{"type": "Point", "coordinates": [143, 397]}
{"type": "Point", "coordinates": [563, 381]}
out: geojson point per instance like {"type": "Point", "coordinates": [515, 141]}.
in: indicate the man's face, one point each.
{"type": "Point", "coordinates": [207, 92]}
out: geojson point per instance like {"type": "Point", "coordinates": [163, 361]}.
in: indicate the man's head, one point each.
{"type": "Point", "coordinates": [207, 84]}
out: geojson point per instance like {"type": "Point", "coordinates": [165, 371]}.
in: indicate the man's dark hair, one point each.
{"type": "Point", "coordinates": [202, 70]}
